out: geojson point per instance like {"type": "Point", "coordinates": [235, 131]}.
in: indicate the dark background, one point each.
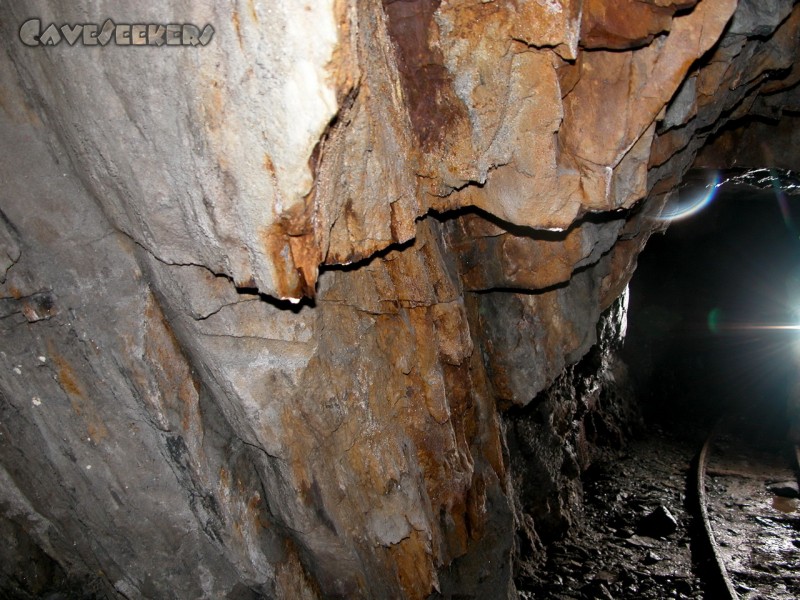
{"type": "Point", "coordinates": [736, 262]}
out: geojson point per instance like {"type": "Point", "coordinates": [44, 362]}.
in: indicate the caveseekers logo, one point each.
{"type": "Point", "coordinates": [90, 34]}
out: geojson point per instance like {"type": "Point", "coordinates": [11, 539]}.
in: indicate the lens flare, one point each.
{"type": "Point", "coordinates": [758, 327]}
{"type": "Point", "coordinates": [783, 202]}
{"type": "Point", "coordinates": [683, 208]}
{"type": "Point", "coordinates": [786, 213]}
{"type": "Point", "coordinates": [713, 320]}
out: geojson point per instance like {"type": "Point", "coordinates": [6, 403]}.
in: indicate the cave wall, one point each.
{"type": "Point", "coordinates": [271, 307]}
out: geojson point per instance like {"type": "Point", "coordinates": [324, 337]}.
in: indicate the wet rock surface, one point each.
{"type": "Point", "coordinates": [754, 520]}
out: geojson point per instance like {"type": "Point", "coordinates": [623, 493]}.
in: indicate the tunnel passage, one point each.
{"type": "Point", "coordinates": [710, 349]}
{"type": "Point", "coordinates": [712, 299]}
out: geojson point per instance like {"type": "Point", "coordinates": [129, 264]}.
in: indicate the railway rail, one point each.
{"type": "Point", "coordinates": [746, 483]}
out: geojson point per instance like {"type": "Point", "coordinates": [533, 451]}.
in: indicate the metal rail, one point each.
{"type": "Point", "coordinates": [724, 583]}
{"type": "Point", "coordinates": [722, 571]}
{"type": "Point", "coordinates": [797, 461]}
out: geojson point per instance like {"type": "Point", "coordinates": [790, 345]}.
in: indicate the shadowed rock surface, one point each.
{"type": "Point", "coordinates": [314, 310]}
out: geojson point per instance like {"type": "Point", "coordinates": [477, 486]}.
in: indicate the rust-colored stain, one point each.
{"type": "Point", "coordinates": [237, 27]}
{"type": "Point", "coordinates": [341, 66]}
{"type": "Point", "coordinates": [97, 431]}
{"type": "Point", "coordinates": [67, 379]}
{"type": "Point", "coordinates": [254, 502]}
{"type": "Point", "coordinates": [17, 110]}
{"type": "Point", "coordinates": [627, 26]}
{"type": "Point", "coordinates": [237, 527]}
{"type": "Point", "coordinates": [296, 428]}
{"type": "Point", "coordinates": [170, 367]}
{"type": "Point", "coordinates": [414, 568]}
{"type": "Point", "coordinates": [475, 517]}
{"type": "Point", "coordinates": [224, 478]}
{"type": "Point", "coordinates": [275, 246]}
{"type": "Point", "coordinates": [291, 574]}
{"type": "Point", "coordinates": [187, 399]}
{"type": "Point", "coordinates": [255, 508]}
{"type": "Point", "coordinates": [306, 256]}
{"type": "Point", "coordinates": [269, 166]}
{"type": "Point", "coordinates": [292, 248]}
{"type": "Point", "coordinates": [248, 283]}
{"type": "Point", "coordinates": [39, 306]}
{"type": "Point", "coordinates": [252, 6]}
{"type": "Point", "coordinates": [433, 105]}
{"type": "Point", "coordinates": [214, 109]}
{"type": "Point", "coordinates": [69, 382]}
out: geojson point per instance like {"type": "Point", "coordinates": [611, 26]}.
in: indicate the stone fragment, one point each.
{"type": "Point", "coordinates": [658, 523]}
{"type": "Point", "coordinates": [785, 489]}
{"type": "Point", "coordinates": [651, 558]}
{"type": "Point", "coordinates": [637, 541]}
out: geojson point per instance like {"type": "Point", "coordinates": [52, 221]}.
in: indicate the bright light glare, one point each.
{"type": "Point", "coordinates": [682, 208]}
{"type": "Point", "coordinates": [716, 324]}
{"type": "Point", "coordinates": [756, 327]}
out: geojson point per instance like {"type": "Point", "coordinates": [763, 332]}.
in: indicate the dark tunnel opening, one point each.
{"type": "Point", "coordinates": [712, 360]}
{"type": "Point", "coordinates": [713, 348]}
{"type": "Point", "coordinates": [714, 298]}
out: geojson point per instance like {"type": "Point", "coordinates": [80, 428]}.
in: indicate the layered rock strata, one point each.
{"type": "Point", "coordinates": [266, 303]}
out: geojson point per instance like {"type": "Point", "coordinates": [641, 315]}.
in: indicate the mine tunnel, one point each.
{"type": "Point", "coordinates": [711, 351]}
{"type": "Point", "coordinates": [715, 298]}
{"type": "Point", "coordinates": [400, 299]}
{"type": "Point", "coordinates": [714, 348]}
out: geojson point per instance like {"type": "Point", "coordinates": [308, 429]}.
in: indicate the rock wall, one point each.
{"type": "Point", "coordinates": [266, 303]}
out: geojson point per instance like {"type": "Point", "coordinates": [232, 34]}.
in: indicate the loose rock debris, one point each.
{"type": "Point", "coordinates": [635, 533]}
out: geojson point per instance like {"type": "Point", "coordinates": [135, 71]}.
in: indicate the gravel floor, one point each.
{"type": "Point", "coordinates": [634, 538]}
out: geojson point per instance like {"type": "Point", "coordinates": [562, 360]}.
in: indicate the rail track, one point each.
{"type": "Point", "coordinates": [744, 478]}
